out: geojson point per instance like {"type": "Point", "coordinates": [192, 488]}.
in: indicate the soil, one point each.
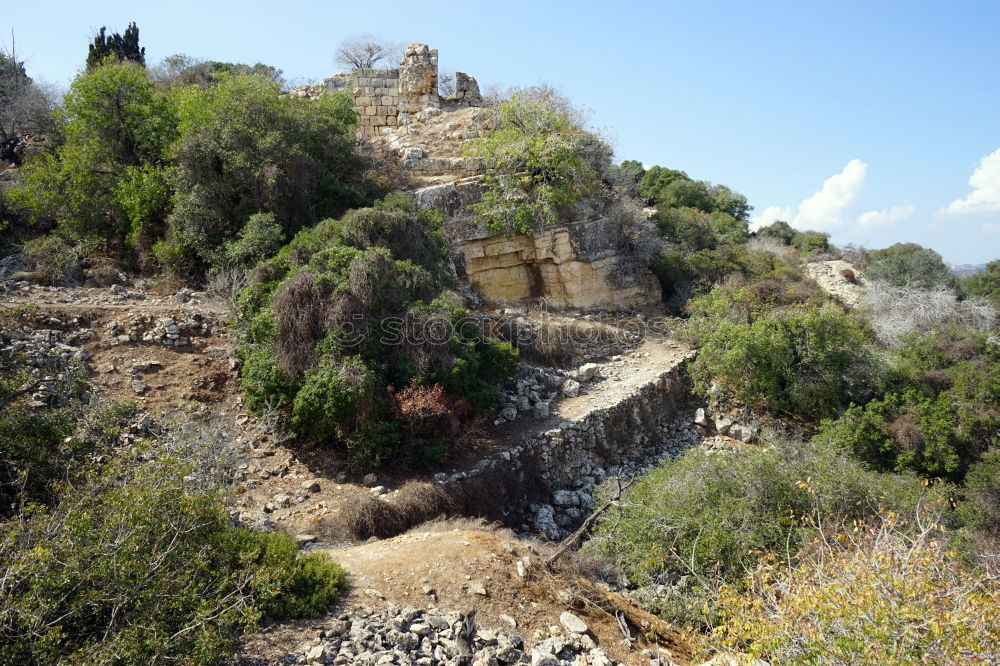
{"type": "Point", "coordinates": [449, 566]}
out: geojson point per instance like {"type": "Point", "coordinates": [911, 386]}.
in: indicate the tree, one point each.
{"type": "Point", "coordinates": [24, 106]}
{"type": "Point", "coordinates": [367, 52]}
{"type": "Point", "coordinates": [655, 179]}
{"type": "Point", "coordinates": [986, 283]}
{"type": "Point", "coordinates": [182, 70]}
{"type": "Point", "coordinates": [108, 179]}
{"type": "Point", "coordinates": [779, 230]}
{"type": "Point", "coordinates": [243, 149]}
{"type": "Point", "coordinates": [122, 48]}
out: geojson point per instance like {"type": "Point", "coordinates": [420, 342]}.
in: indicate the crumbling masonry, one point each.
{"type": "Point", "coordinates": [390, 97]}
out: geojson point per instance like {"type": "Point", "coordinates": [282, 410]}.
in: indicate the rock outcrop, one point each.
{"type": "Point", "coordinates": [547, 266]}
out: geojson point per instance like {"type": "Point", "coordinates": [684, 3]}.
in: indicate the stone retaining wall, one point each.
{"type": "Point", "coordinates": [569, 459]}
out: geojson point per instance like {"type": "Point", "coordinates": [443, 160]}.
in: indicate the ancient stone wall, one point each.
{"type": "Point", "coordinates": [569, 459]}
{"type": "Point", "coordinates": [389, 97]}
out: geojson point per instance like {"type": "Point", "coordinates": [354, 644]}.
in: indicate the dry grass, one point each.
{"type": "Point", "coordinates": [490, 496]}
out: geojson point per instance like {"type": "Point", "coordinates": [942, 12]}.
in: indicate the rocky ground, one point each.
{"type": "Point", "coordinates": [413, 595]}
{"type": "Point", "coordinates": [839, 279]}
{"type": "Point", "coordinates": [170, 353]}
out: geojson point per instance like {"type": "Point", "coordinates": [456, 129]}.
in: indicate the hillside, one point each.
{"type": "Point", "coordinates": [371, 371]}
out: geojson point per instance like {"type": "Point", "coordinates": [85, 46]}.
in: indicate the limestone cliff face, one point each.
{"type": "Point", "coordinates": [552, 265]}
{"type": "Point", "coordinates": [546, 266]}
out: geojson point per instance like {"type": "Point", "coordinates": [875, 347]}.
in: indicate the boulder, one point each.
{"type": "Point", "coordinates": [571, 388]}
{"type": "Point", "coordinates": [572, 623]}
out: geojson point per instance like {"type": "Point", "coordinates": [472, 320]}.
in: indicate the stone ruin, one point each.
{"type": "Point", "coordinates": [390, 97]}
{"type": "Point", "coordinates": [557, 267]}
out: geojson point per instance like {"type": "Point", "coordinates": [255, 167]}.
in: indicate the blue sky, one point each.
{"type": "Point", "coordinates": [864, 119]}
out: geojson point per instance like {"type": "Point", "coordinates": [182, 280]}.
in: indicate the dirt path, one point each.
{"type": "Point", "coordinates": [618, 379]}
{"type": "Point", "coordinates": [458, 566]}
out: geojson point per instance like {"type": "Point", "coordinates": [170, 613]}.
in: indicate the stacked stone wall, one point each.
{"type": "Point", "coordinates": [388, 97]}
{"type": "Point", "coordinates": [567, 460]}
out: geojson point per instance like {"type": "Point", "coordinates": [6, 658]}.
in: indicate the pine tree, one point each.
{"type": "Point", "coordinates": [123, 48]}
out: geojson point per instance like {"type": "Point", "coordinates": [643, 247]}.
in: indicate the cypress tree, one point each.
{"type": "Point", "coordinates": [123, 48]}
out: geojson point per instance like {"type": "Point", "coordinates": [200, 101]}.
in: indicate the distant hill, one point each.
{"type": "Point", "coordinates": [965, 270]}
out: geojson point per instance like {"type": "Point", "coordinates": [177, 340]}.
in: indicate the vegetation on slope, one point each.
{"type": "Point", "coordinates": [114, 553]}
{"type": "Point", "coordinates": [348, 330]}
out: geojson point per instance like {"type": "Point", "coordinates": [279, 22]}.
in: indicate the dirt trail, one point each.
{"type": "Point", "coordinates": [618, 379]}
{"type": "Point", "coordinates": [465, 567]}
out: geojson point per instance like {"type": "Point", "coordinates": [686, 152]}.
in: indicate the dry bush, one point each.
{"type": "Point", "coordinates": [848, 275]}
{"type": "Point", "coordinates": [364, 516]}
{"type": "Point", "coordinates": [226, 282]}
{"type": "Point", "coordinates": [492, 496]}
{"type": "Point", "coordinates": [906, 433]}
{"type": "Point", "coordinates": [424, 341]}
{"type": "Point", "coordinates": [767, 244]}
{"type": "Point", "coordinates": [419, 502]}
{"type": "Point", "coordinates": [300, 305]}
{"type": "Point", "coordinates": [452, 524]}
{"type": "Point", "coordinates": [897, 311]}
{"type": "Point", "coordinates": [104, 275]}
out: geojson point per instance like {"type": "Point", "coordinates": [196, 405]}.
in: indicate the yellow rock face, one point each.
{"type": "Point", "coordinates": [514, 268]}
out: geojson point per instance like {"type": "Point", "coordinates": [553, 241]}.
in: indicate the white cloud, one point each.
{"type": "Point", "coordinates": [834, 205]}
{"type": "Point", "coordinates": [769, 215]}
{"type": "Point", "coordinates": [884, 218]}
{"type": "Point", "coordinates": [991, 228]}
{"type": "Point", "coordinates": [827, 208]}
{"type": "Point", "coordinates": [985, 183]}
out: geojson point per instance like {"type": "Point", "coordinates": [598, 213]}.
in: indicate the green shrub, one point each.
{"type": "Point", "coordinates": [135, 564]}
{"type": "Point", "coordinates": [686, 275]}
{"type": "Point", "coordinates": [985, 283]}
{"type": "Point", "coordinates": [538, 162]}
{"type": "Point", "coordinates": [705, 518]}
{"type": "Point", "coordinates": [980, 511]}
{"type": "Point", "coordinates": [809, 242]}
{"type": "Point", "coordinates": [808, 361]}
{"type": "Point", "coordinates": [909, 432]}
{"type": "Point", "coordinates": [347, 310]}
{"type": "Point", "coordinates": [909, 265]}
{"type": "Point", "coordinates": [259, 239]}
{"type": "Point", "coordinates": [942, 412]}
{"type": "Point", "coordinates": [335, 397]}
